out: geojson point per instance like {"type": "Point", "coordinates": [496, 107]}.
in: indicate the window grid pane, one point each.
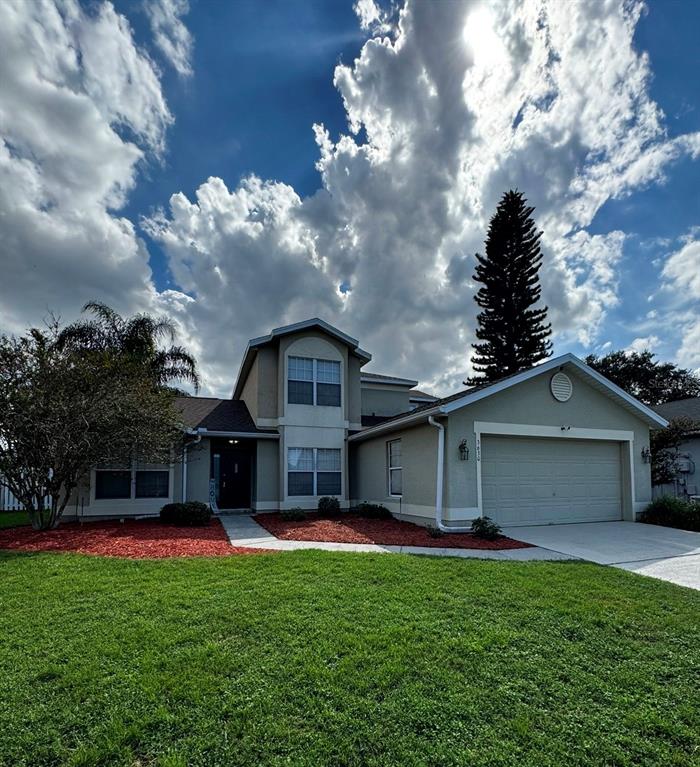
{"type": "Point", "coordinates": [395, 482]}
{"type": "Point", "coordinates": [328, 394]}
{"type": "Point", "coordinates": [152, 484]}
{"type": "Point", "coordinates": [328, 483]}
{"type": "Point", "coordinates": [395, 453]}
{"type": "Point", "coordinates": [300, 459]}
{"type": "Point", "coordinates": [300, 393]}
{"type": "Point", "coordinates": [300, 483]}
{"type": "Point", "coordinates": [112, 484]}
{"type": "Point", "coordinates": [301, 369]}
{"type": "Point", "coordinates": [328, 371]}
{"type": "Point", "coordinates": [327, 459]}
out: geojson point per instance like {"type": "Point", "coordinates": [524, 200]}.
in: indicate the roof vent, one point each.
{"type": "Point", "coordinates": [561, 387]}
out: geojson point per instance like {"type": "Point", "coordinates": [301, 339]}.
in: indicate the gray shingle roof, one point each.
{"type": "Point", "coordinates": [682, 408]}
{"type": "Point", "coordinates": [217, 414]}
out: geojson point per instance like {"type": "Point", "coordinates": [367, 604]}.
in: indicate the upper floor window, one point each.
{"type": "Point", "coordinates": [313, 382]}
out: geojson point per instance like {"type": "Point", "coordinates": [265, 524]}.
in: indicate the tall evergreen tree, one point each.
{"type": "Point", "coordinates": [513, 335]}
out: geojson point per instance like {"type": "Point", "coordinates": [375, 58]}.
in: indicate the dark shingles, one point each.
{"type": "Point", "coordinates": [216, 414]}
{"type": "Point", "coordinates": [682, 408]}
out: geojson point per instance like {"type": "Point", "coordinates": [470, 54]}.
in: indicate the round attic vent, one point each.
{"type": "Point", "coordinates": [561, 387]}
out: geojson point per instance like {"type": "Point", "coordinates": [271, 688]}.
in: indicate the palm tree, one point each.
{"type": "Point", "coordinates": [136, 338]}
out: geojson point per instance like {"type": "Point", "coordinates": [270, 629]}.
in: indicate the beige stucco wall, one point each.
{"type": "Point", "coordinates": [267, 471]}
{"type": "Point", "coordinates": [384, 400]}
{"type": "Point", "coordinates": [250, 390]}
{"type": "Point", "coordinates": [354, 392]}
{"type": "Point", "coordinates": [419, 454]}
{"type": "Point", "coordinates": [532, 403]}
{"type": "Point", "coordinates": [267, 382]}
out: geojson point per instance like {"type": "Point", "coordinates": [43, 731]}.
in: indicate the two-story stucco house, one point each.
{"type": "Point", "coordinates": [557, 443]}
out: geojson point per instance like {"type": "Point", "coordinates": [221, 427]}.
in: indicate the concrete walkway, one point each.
{"type": "Point", "coordinates": [244, 531]}
{"type": "Point", "coordinates": [659, 552]}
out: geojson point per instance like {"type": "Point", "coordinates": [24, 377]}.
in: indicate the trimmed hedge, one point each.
{"type": "Point", "coordinates": [190, 514]}
{"type": "Point", "coordinates": [669, 511]}
{"type": "Point", "coordinates": [329, 506]}
{"type": "Point", "coordinates": [296, 514]}
{"type": "Point", "coordinates": [372, 511]}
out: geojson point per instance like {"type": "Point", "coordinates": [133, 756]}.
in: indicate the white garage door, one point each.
{"type": "Point", "coordinates": [548, 481]}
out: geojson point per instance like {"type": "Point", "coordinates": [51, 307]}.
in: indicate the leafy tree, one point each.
{"type": "Point", "coordinates": [651, 382]}
{"type": "Point", "coordinates": [70, 400]}
{"type": "Point", "coordinates": [665, 453]}
{"type": "Point", "coordinates": [513, 334]}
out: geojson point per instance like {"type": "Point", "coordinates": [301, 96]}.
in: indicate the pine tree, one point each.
{"type": "Point", "coordinates": [513, 335]}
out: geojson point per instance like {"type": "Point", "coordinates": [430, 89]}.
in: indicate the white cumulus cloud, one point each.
{"type": "Point", "coordinates": [439, 126]}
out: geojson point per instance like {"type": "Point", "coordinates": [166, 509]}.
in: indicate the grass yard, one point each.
{"type": "Point", "coordinates": [316, 658]}
{"type": "Point", "coordinates": [13, 519]}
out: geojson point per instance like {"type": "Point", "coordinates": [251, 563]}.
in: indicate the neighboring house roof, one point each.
{"type": "Point", "coordinates": [682, 408]}
{"type": "Point", "coordinates": [373, 420]}
{"type": "Point", "coordinates": [217, 415]}
{"type": "Point", "coordinates": [461, 399]}
{"type": "Point", "coordinates": [366, 377]}
{"type": "Point", "coordinates": [255, 343]}
{"type": "Point", "coordinates": [420, 396]}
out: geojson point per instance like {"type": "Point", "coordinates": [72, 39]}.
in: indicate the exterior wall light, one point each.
{"type": "Point", "coordinates": [646, 455]}
{"type": "Point", "coordinates": [463, 451]}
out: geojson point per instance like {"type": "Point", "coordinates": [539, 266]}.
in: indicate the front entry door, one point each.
{"type": "Point", "coordinates": [234, 479]}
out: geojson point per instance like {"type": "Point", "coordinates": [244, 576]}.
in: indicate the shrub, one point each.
{"type": "Point", "coordinates": [293, 515]}
{"type": "Point", "coordinates": [372, 510]}
{"type": "Point", "coordinates": [190, 514]}
{"type": "Point", "coordinates": [329, 506]}
{"type": "Point", "coordinates": [485, 527]}
{"type": "Point", "coordinates": [434, 532]}
{"type": "Point", "coordinates": [669, 511]}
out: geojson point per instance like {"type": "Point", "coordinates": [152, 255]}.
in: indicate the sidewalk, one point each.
{"type": "Point", "coordinates": [244, 531]}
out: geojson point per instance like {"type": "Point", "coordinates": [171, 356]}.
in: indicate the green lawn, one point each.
{"type": "Point", "coordinates": [13, 518]}
{"type": "Point", "coordinates": [313, 658]}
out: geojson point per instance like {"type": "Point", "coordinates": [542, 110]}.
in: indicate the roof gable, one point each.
{"type": "Point", "coordinates": [315, 323]}
{"type": "Point", "coordinates": [447, 405]}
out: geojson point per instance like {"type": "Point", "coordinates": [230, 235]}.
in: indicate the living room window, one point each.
{"type": "Point", "coordinates": [140, 481]}
{"type": "Point", "coordinates": [313, 382]}
{"type": "Point", "coordinates": [394, 468]}
{"type": "Point", "coordinates": [313, 471]}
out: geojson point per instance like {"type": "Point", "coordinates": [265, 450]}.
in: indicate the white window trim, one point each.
{"type": "Point", "coordinates": [390, 468]}
{"type": "Point", "coordinates": [314, 382]}
{"type": "Point", "coordinates": [314, 471]}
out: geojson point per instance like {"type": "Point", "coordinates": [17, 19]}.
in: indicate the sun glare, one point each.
{"type": "Point", "coordinates": [481, 38]}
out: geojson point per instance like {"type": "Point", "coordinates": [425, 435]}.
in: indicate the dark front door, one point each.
{"type": "Point", "coordinates": [234, 479]}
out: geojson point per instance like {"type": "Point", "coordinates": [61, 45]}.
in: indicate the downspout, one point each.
{"type": "Point", "coordinates": [440, 480]}
{"type": "Point", "coordinates": [184, 463]}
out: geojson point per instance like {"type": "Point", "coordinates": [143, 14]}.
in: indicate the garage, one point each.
{"type": "Point", "coordinates": [541, 481]}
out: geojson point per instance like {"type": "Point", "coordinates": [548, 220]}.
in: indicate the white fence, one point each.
{"type": "Point", "coordinates": [9, 503]}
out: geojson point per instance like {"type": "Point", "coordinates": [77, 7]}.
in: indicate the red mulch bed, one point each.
{"type": "Point", "coordinates": [351, 528]}
{"type": "Point", "coordinates": [133, 539]}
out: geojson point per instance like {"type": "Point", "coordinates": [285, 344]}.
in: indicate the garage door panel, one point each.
{"type": "Point", "coordinates": [529, 481]}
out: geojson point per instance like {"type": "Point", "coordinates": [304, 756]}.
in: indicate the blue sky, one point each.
{"type": "Point", "coordinates": [391, 202]}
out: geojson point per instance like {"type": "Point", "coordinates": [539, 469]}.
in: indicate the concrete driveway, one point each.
{"type": "Point", "coordinates": [660, 552]}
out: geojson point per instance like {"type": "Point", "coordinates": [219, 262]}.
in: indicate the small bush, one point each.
{"type": "Point", "coordinates": [372, 511]}
{"type": "Point", "coordinates": [329, 506]}
{"type": "Point", "coordinates": [669, 511]}
{"type": "Point", "coordinates": [293, 515]}
{"type": "Point", "coordinates": [485, 527]}
{"type": "Point", "coordinates": [190, 514]}
{"type": "Point", "coordinates": [434, 532]}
